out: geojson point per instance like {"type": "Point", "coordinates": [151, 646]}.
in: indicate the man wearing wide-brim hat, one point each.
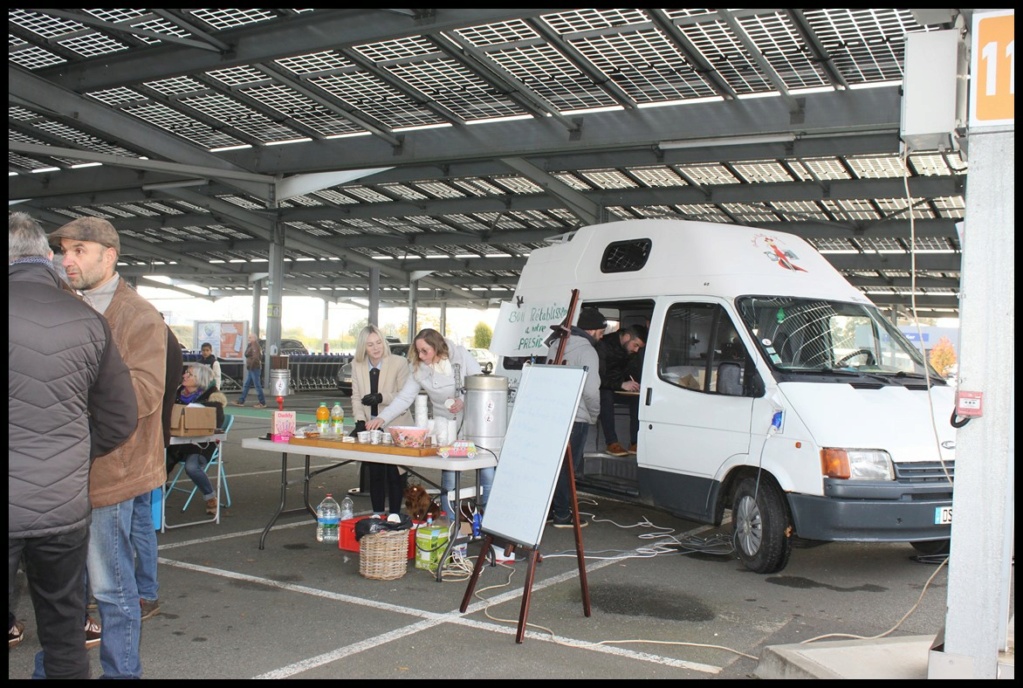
{"type": "Point", "coordinates": [121, 481]}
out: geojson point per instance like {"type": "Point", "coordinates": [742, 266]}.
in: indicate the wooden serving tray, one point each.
{"type": "Point", "coordinates": [358, 446]}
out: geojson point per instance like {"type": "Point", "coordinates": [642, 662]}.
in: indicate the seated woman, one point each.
{"type": "Point", "coordinates": [198, 386]}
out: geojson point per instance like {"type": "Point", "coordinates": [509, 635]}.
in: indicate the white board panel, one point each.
{"type": "Point", "coordinates": [531, 457]}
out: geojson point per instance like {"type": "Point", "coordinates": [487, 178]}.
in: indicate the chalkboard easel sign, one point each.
{"type": "Point", "coordinates": [531, 456]}
{"type": "Point", "coordinates": [535, 445]}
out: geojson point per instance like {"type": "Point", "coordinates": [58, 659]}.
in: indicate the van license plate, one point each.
{"type": "Point", "coordinates": [942, 515]}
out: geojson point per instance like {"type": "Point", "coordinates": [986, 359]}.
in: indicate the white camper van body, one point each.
{"type": "Point", "coordinates": [753, 397]}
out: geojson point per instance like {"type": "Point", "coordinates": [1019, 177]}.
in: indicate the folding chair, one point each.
{"type": "Point", "coordinates": [213, 462]}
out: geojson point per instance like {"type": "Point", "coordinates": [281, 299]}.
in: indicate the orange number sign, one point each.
{"type": "Point", "coordinates": [993, 69]}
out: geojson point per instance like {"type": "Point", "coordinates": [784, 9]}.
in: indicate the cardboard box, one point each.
{"type": "Point", "coordinates": [192, 421]}
{"type": "Point", "coordinates": [283, 426]}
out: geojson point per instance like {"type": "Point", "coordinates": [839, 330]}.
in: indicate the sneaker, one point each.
{"type": "Point", "coordinates": [16, 635]}
{"type": "Point", "coordinates": [150, 608]}
{"type": "Point", "coordinates": [260, 406]}
{"type": "Point", "coordinates": [237, 403]}
{"type": "Point", "coordinates": [93, 633]}
{"type": "Point", "coordinates": [211, 506]}
{"type": "Point", "coordinates": [467, 512]}
{"type": "Point", "coordinates": [632, 450]}
{"type": "Point", "coordinates": [566, 522]}
{"type": "Point", "coordinates": [615, 449]}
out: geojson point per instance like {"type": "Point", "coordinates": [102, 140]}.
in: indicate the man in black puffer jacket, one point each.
{"type": "Point", "coordinates": [71, 399]}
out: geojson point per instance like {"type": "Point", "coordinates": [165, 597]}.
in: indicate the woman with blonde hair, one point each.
{"type": "Point", "coordinates": [377, 377]}
{"type": "Point", "coordinates": [433, 360]}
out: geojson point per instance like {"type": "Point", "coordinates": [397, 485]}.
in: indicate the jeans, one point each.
{"type": "Point", "coordinates": [54, 566]}
{"type": "Point", "coordinates": [561, 505]}
{"type": "Point", "coordinates": [252, 379]}
{"type": "Point", "coordinates": [143, 541]}
{"type": "Point", "coordinates": [447, 484]}
{"type": "Point", "coordinates": [607, 417]}
{"type": "Point", "coordinates": [112, 577]}
{"type": "Point", "coordinates": [195, 467]}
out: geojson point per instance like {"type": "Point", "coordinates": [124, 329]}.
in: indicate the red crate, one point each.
{"type": "Point", "coordinates": [346, 540]}
{"type": "Point", "coordinates": [348, 543]}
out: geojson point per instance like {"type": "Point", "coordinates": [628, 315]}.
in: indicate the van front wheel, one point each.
{"type": "Point", "coordinates": [761, 526]}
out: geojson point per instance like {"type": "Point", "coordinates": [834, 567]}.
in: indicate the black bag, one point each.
{"type": "Point", "coordinates": [368, 526]}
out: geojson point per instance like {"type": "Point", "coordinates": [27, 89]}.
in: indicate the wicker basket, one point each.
{"type": "Point", "coordinates": [384, 555]}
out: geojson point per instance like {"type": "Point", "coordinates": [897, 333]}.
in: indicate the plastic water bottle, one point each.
{"type": "Point", "coordinates": [443, 523]}
{"type": "Point", "coordinates": [323, 418]}
{"type": "Point", "coordinates": [328, 518]}
{"type": "Point", "coordinates": [347, 508]}
{"type": "Point", "coordinates": [337, 419]}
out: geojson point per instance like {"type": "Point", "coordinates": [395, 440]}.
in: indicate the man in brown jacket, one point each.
{"type": "Point", "coordinates": [122, 481]}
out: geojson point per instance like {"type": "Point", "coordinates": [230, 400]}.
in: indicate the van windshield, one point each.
{"type": "Point", "coordinates": [800, 335]}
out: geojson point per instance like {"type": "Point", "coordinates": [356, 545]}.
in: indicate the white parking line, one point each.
{"type": "Point", "coordinates": [427, 619]}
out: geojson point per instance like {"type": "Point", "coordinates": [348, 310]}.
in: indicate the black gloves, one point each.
{"type": "Point", "coordinates": [371, 399]}
{"type": "Point", "coordinates": [360, 426]}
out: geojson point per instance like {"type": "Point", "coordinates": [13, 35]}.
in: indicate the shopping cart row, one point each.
{"type": "Point", "coordinates": [307, 371]}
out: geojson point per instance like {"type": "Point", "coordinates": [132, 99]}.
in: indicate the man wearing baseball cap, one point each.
{"type": "Point", "coordinates": [122, 481]}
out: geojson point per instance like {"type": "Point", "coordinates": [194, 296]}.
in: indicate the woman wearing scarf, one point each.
{"type": "Point", "coordinates": [198, 386]}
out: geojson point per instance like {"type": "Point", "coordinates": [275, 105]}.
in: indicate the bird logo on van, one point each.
{"type": "Point", "coordinates": [783, 258]}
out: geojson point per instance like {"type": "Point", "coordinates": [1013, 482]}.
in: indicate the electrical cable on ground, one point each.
{"type": "Point", "coordinates": [711, 545]}
{"type": "Point", "coordinates": [719, 544]}
{"type": "Point", "coordinates": [893, 628]}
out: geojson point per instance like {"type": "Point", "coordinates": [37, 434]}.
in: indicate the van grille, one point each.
{"type": "Point", "coordinates": [924, 472]}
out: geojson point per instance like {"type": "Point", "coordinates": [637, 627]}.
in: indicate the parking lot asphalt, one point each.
{"type": "Point", "coordinates": [669, 599]}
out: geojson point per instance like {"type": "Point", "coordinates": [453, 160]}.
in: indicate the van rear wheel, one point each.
{"type": "Point", "coordinates": [761, 526]}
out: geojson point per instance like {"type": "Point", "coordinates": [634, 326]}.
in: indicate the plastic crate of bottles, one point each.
{"type": "Point", "coordinates": [347, 542]}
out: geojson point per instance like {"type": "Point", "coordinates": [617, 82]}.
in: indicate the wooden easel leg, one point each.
{"type": "Point", "coordinates": [580, 556]}
{"type": "Point", "coordinates": [480, 560]}
{"type": "Point", "coordinates": [527, 592]}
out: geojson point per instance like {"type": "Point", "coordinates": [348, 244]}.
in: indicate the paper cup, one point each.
{"type": "Point", "coordinates": [376, 436]}
{"type": "Point", "coordinates": [364, 436]}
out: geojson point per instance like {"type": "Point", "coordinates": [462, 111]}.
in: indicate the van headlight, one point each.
{"type": "Point", "coordinates": [857, 464]}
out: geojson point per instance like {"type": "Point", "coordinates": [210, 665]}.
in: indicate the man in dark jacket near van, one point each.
{"type": "Point", "coordinates": [616, 352]}
{"type": "Point", "coordinates": [71, 399]}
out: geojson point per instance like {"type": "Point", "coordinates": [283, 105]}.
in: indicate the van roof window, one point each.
{"type": "Point", "coordinates": [625, 256]}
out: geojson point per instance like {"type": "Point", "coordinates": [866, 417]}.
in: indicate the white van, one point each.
{"type": "Point", "coordinates": [770, 387]}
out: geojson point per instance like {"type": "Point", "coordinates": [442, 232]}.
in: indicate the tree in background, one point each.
{"type": "Point", "coordinates": [943, 356]}
{"type": "Point", "coordinates": [483, 335]}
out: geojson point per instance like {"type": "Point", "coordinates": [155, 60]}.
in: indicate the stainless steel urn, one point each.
{"type": "Point", "coordinates": [486, 411]}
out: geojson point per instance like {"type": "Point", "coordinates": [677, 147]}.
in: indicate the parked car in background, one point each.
{"type": "Point", "coordinates": [288, 347]}
{"type": "Point", "coordinates": [486, 360]}
{"type": "Point", "coordinates": [344, 374]}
